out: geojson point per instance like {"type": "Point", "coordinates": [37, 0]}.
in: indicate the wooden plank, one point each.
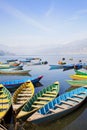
{"type": "Point", "coordinates": [67, 103]}
{"type": "Point", "coordinates": [59, 106]}
{"type": "Point", "coordinates": [40, 102]}
{"type": "Point", "coordinates": [72, 99]}
{"type": "Point", "coordinates": [53, 92]}
{"type": "Point", "coordinates": [37, 106]}
{"type": "Point", "coordinates": [42, 98]}
{"type": "Point", "coordinates": [48, 95]}
{"type": "Point", "coordinates": [52, 110]}
{"type": "Point", "coordinates": [78, 96]}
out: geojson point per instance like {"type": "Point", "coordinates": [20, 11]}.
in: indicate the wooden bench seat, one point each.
{"type": "Point", "coordinates": [72, 99]}
{"type": "Point", "coordinates": [67, 103]}
{"type": "Point", "coordinates": [78, 96]}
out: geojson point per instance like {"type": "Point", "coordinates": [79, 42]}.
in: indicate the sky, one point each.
{"type": "Point", "coordinates": [29, 26]}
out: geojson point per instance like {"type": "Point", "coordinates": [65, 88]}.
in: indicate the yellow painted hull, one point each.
{"type": "Point", "coordinates": [78, 77]}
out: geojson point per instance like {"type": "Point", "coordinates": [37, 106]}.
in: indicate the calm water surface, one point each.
{"type": "Point", "coordinates": [77, 120]}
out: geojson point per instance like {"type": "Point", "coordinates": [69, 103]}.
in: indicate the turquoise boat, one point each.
{"type": "Point", "coordinates": [60, 106]}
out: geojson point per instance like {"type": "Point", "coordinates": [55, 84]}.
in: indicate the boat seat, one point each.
{"type": "Point", "coordinates": [51, 110]}
{"type": "Point", "coordinates": [40, 102]}
{"type": "Point", "coordinates": [72, 99]}
{"type": "Point", "coordinates": [37, 106]}
{"type": "Point", "coordinates": [4, 106]}
{"type": "Point", "coordinates": [67, 103]}
{"type": "Point", "coordinates": [78, 96]}
{"type": "Point", "coordinates": [4, 101]}
{"type": "Point", "coordinates": [20, 102]}
{"type": "Point", "coordinates": [54, 88]}
{"type": "Point", "coordinates": [59, 106]}
{"type": "Point", "coordinates": [1, 86]}
{"type": "Point", "coordinates": [3, 96]}
{"type": "Point", "coordinates": [24, 89]}
{"type": "Point", "coordinates": [29, 94]}
{"type": "Point", "coordinates": [48, 95]}
{"type": "Point", "coordinates": [54, 92]}
{"type": "Point", "coordinates": [42, 98]}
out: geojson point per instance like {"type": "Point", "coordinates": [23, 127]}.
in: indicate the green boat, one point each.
{"type": "Point", "coordinates": [77, 82]}
{"type": "Point", "coordinates": [5, 102]}
{"type": "Point", "coordinates": [81, 72]}
{"type": "Point", "coordinates": [38, 101]}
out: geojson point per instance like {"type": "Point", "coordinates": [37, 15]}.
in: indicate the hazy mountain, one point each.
{"type": "Point", "coordinates": [77, 47]}
{"type": "Point", "coordinates": [5, 50]}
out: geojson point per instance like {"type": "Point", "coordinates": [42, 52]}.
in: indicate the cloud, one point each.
{"type": "Point", "coordinates": [20, 15]}
{"type": "Point", "coordinates": [50, 10]}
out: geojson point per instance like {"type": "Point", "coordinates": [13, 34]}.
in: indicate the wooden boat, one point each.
{"type": "Point", "coordinates": [56, 67]}
{"type": "Point", "coordinates": [38, 101]}
{"type": "Point", "coordinates": [12, 68]}
{"type": "Point", "coordinates": [14, 84]}
{"type": "Point", "coordinates": [4, 66]}
{"type": "Point", "coordinates": [14, 71]}
{"type": "Point", "coordinates": [81, 72]}
{"type": "Point", "coordinates": [77, 82]}
{"type": "Point", "coordinates": [78, 77]}
{"type": "Point", "coordinates": [2, 127]}
{"type": "Point", "coordinates": [5, 102]}
{"type": "Point", "coordinates": [22, 95]}
{"type": "Point", "coordinates": [60, 106]}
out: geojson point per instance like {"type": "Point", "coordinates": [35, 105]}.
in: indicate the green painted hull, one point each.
{"type": "Point", "coordinates": [81, 72]}
{"type": "Point", "coordinates": [38, 101]}
{"type": "Point", "coordinates": [77, 82]}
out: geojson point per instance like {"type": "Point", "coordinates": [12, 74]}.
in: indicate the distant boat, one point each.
{"type": "Point", "coordinates": [38, 101]}
{"type": "Point", "coordinates": [77, 82]}
{"type": "Point", "coordinates": [14, 71]}
{"type": "Point", "coordinates": [56, 67]}
{"type": "Point", "coordinates": [60, 106]}
{"type": "Point", "coordinates": [22, 95]}
{"type": "Point", "coordinates": [14, 84]}
{"type": "Point", "coordinates": [5, 102]}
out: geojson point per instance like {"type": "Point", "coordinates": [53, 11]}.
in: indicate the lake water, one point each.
{"type": "Point", "coordinates": [76, 120]}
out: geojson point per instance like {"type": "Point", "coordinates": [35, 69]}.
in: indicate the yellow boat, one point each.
{"type": "Point", "coordinates": [78, 77]}
{"type": "Point", "coordinates": [22, 95]}
{"type": "Point", "coordinates": [5, 102]}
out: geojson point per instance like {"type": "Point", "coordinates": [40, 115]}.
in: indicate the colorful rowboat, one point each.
{"type": "Point", "coordinates": [77, 82]}
{"type": "Point", "coordinates": [14, 84]}
{"type": "Point", "coordinates": [38, 101]}
{"type": "Point", "coordinates": [78, 77]}
{"type": "Point", "coordinates": [60, 106]}
{"type": "Point", "coordinates": [5, 102]}
{"type": "Point", "coordinates": [22, 95]}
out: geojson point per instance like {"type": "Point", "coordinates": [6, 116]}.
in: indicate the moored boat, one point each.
{"type": "Point", "coordinates": [77, 82]}
{"type": "Point", "coordinates": [78, 77]}
{"type": "Point", "coordinates": [14, 71]}
{"type": "Point", "coordinates": [60, 106]}
{"type": "Point", "coordinates": [22, 95]}
{"type": "Point", "coordinates": [14, 84]}
{"type": "Point", "coordinates": [38, 101]}
{"type": "Point", "coordinates": [5, 102]}
{"type": "Point", "coordinates": [81, 72]}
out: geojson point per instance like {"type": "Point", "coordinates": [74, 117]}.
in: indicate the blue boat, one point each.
{"type": "Point", "coordinates": [60, 106]}
{"type": "Point", "coordinates": [14, 84]}
{"type": "Point", "coordinates": [52, 67]}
